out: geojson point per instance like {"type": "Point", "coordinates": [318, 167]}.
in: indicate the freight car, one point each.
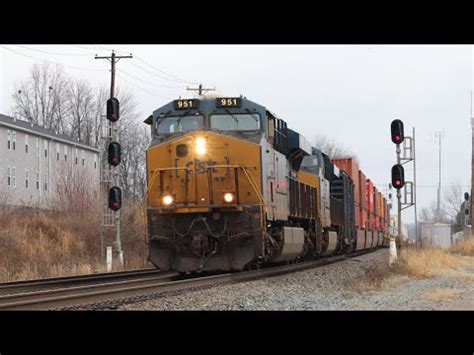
{"type": "Point", "coordinates": [231, 187]}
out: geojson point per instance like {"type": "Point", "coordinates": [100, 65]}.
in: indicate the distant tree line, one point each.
{"type": "Point", "coordinates": [51, 98]}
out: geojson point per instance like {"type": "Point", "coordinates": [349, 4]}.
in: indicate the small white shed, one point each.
{"type": "Point", "coordinates": [438, 234]}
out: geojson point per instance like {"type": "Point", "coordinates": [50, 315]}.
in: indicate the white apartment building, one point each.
{"type": "Point", "coordinates": [33, 160]}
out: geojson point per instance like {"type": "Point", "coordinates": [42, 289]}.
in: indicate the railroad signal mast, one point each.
{"type": "Point", "coordinates": [398, 179]}
{"type": "Point", "coordinates": [109, 174]}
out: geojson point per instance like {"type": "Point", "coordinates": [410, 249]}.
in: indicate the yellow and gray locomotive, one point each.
{"type": "Point", "coordinates": [231, 187]}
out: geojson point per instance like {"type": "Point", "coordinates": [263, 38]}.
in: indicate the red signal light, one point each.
{"type": "Point", "coordinates": [114, 154]}
{"type": "Point", "coordinates": [398, 176]}
{"type": "Point", "coordinates": [115, 198]}
{"type": "Point", "coordinates": [396, 129]}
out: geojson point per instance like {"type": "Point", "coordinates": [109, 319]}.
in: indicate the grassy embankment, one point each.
{"type": "Point", "coordinates": [39, 244]}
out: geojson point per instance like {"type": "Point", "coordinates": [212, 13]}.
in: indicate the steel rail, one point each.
{"type": "Point", "coordinates": [82, 296]}
{"type": "Point", "coordinates": [71, 280]}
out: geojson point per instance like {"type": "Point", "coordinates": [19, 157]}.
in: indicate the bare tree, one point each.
{"type": "Point", "coordinates": [451, 209]}
{"type": "Point", "coordinates": [40, 98]}
{"type": "Point", "coordinates": [133, 170]}
{"type": "Point", "coordinates": [75, 191]}
{"type": "Point", "coordinates": [453, 200]}
{"type": "Point", "coordinates": [428, 214]}
{"type": "Point", "coordinates": [333, 149]}
{"type": "Point", "coordinates": [81, 105]}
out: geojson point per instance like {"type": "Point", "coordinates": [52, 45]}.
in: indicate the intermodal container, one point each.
{"type": "Point", "coordinates": [384, 211]}
{"type": "Point", "coordinates": [381, 210]}
{"type": "Point", "coordinates": [363, 218]}
{"type": "Point", "coordinates": [351, 167]}
{"type": "Point", "coordinates": [375, 223]}
{"type": "Point", "coordinates": [369, 198]}
{"type": "Point", "coordinates": [357, 217]}
{"type": "Point", "coordinates": [362, 190]}
{"type": "Point", "coordinates": [384, 207]}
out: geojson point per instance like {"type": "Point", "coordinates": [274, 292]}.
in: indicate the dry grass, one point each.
{"type": "Point", "coordinates": [370, 281]}
{"type": "Point", "coordinates": [49, 244]}
{"type": "Point", "coordinates": [412, 263]}
{"type": "Point", "coordinates": [425, 263]}
{"type": "Point", "coordinates": [464, 247]}
{"type": "Point", "coordinates": [442, 294]}
{"type": "Point", "coordinates": [376, 278]}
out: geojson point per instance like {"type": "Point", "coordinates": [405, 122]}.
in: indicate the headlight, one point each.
{"type": "Point", "coordinates": [167, 200]}
{"type": "Point", "coordinates": [200, 146]}
{"type": "Point", "coordinates": [228, 197]}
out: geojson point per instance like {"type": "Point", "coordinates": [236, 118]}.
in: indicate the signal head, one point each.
{"type": "Point", "coordinates": [113, 155]}
{"type": "Point", "coordinates": [113, 108]}
{"type": "Point", "coordinates": [398, 176]}
{"type": "Point", "coordinates": [115, 198]}
{"type": "Point", "coordinates": [397, 131]}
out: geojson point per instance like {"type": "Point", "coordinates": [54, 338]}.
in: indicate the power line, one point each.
{"type": "Point", "coordinates": [50, 61]}
{"type": "Point", "coordinates": [141, 88]}
{"type": "Point", "coordinates": [132, 83]}
{"type": "Point", "coordinates": [162, 71]}
{"type": "Point", "coordinates": [100, 48]}
{"type": "Point", "coordinates": [51, 52]}
{"type": "Point", "coordinates": [172, 77]}
{"type": "Point", "coordinates": [150, 83]}
{"type": "Point", "coordinates": [158, 75]}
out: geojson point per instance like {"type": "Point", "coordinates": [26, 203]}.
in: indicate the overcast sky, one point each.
{"type": "Point", "coordinates": [349, 93]}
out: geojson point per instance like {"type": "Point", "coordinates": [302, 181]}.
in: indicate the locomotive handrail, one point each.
{"type": "Point", "coordinates": [247, 173]}
{"type": "Point", "coordinates": [209, 168]}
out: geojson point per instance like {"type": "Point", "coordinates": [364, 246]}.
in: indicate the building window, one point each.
{"type": "Point", "coordinates": [65, 152]}
{"type": "Point", "coordinates": [46, 149]}
{"type": "Point", "coordinates": [14, 177]}
{"type": "Point", "coordinates": [95, 161]}
{"type": "Point", "coordinates": [26, 178]}
{"type": "Point", "coordinates": [57, 151]}
{"type": "Point", "coordinates": [9, 140]}
{"type": "Point", "coordinates": [37, 180]}
{"type": "Point", "coordinates": [45, 183]}
{"type": "Point", "coordinates": [9, 176]}
{"type": "Point", "coordinates": [76, 156]}
{"type": "Point", "coordinates": [26, 143]}
{"type": "Point", "coordinates": [14, 140]}
{"type": "Point", "coordinates": [83, 160]}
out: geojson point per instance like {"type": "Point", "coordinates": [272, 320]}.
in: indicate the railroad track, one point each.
{"type": "Point", "coordinates": [102, 295]}
{"type": "Point", "coordinates": [14, 287]}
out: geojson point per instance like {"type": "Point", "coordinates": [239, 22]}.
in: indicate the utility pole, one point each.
{"type": "Point", "coordinates": [471, 214]}
{"type": "Point", "coordinates": [109, 174]}
{"type": "Point", "coordinates": [438, 208]}
{"type": "Point", "coordinates": [414, 189]}
{"type": "Point", "coordinates": [200, 89]}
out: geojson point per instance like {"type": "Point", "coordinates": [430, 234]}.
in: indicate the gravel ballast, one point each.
{"type": "Point", "coordinates": [323, 288]}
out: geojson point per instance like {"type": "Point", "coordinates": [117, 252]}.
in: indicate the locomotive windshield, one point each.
{"type": "Point", "coordinates": [236, 122]}
{"type": "Point", "coordinates": [174, 124]}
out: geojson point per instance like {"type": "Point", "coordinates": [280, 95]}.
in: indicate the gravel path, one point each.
{"type": "Point", "coordinates": [325, 288]}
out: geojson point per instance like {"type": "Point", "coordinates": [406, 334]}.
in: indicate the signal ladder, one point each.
{"type": "Point", "coordinates": [106, 174]}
